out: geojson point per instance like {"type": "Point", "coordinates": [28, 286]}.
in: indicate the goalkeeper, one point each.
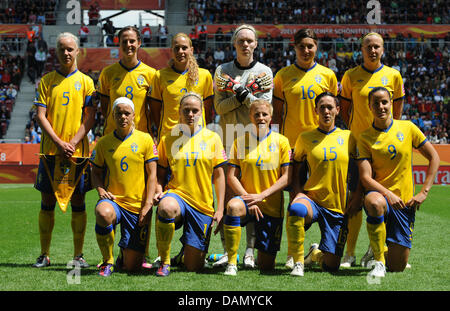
{"type": "Point", "coordinates": [237, 84]}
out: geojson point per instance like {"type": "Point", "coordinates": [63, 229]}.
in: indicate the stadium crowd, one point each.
{"type": "Point", "coordinates": [29, 12]}
{"type": "Point", "coordinates": [313, 12]}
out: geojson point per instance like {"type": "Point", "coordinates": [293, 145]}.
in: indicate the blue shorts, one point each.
{"type": "Point", "coordinates": [43, 181]}
{"type": "Point", "coordinates": [399, 225]}
{"type": "Point", "coordinates": [196, 225]}
{"type": "Point", "coordinates": [132, 236]}
{"type": "Point", "coordinates": [268, 231]}
{"type": "Point", "coordinates": [330, 224]}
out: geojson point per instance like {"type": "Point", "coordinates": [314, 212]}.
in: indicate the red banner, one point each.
{"type": "Point", "coordinates": [98, 58]}
{"type": "Point", "coordinates": [18, 174]}
{"type": "Point", "coordinates": [16, 29]}
{"type": "Point", "coordinates": [333, 31]}
{"type": "Point", "coordinates": [125, 4]}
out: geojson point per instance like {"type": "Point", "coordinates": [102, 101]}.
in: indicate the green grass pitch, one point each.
{"type": "Point", "coordinates": [19, 207]}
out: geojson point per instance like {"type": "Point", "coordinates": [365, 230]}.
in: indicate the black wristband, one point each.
{"type": "Point", "coordinates": [241, 93]}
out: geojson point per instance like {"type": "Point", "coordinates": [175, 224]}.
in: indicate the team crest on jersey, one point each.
{"type": "Point", "coordinates": [340, 140]}
{"type": "Point", "coordinates": [384, 80]}
{"type": "Point", "coordinates": [134, 147]}
{"type": "Point", "coordinates": [78, 85]}
{"type": "Point", "coordinates": [318, 78]}
{"type": "Point", "coordinates": [400, 136]}
{"type": "Point", "coordinates": [140, 80]}
{"type": "Point", "coordinates": [272, 147]}
{"type": "Point", "coordinates": [202, 145]}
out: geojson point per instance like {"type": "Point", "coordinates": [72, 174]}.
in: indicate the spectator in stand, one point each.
{"type": "Point", "coordinates": [94, 14]}
{"type": "Point", "coordinates": [83, 32]}
{"type": "Point", "coordinates": [110, 31]}
{"type": "Point", "coordinates": [40, 57]}
{"type": "Point", "coordinates": [146, 35]}
{"type": "Point", "coordinates": [163, 31]}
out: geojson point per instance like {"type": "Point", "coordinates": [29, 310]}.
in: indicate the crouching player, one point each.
{"type": "Point", "coordinates": [385, 167]}
{"type": "Point", "coordinates": [124, 174]}
{"type": "Point", "coordinates": [194, 156]}
{"type": "Point", "coordinates": [259, 171]}
{"type": "Point", "coordinates": [328, 152]}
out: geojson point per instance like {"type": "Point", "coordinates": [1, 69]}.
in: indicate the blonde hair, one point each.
{"type": "Point", "coordinates": [372, 34]}
{"type": "Point", "coordinates": [192, 64]}
{"type": "Point", "coordinates": [64, 35]}
{"type": "Point", "coordinates": [191, 94]}
{"type": "Point", "coordinates": [261, 102]}
{"type": "Point", "coordinates": [244, 26]}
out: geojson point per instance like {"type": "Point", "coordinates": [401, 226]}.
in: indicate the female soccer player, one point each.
{"type": "Point", "coordinates": [170, 84]}
{"type": "Point", "coordinates": [65, 112]}
{"type": "Point", "coordinates": [356, 85]}
{"type": "Point", "coordinates": [385, 169]}
{"type": "Point", "coordinates": [259, 171]}
{"type": "Point", "coordinates": [238, 83]}
{"type": "Point", "coordinates": [328, 152]}
{"type": "Point", "coordinates": [295, 89]}
{"type": "Point", "coordinates": [195, 157]}
{"type": "Point", "coordinates": [129, 78]}
{"type": "Point", "coordinates": [124, 175]}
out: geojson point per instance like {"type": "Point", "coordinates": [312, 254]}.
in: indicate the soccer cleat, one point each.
{"type": "Point", "coordinates": [348, 261]}
{"type": "Point", "coordinates": [308, 257]}
{"type": "Point", "coordinates": [79, 261]}
{"type": "Point", "coordinates": [249, 262]}
{"type": "Point", "coordinates": [378, 271]}
{"type": "Point", "coordinates": [368, 256]}
{"type": "Point", "coordinates": [42, 261]}
{"type": "Point", "coordinates": [146, 263]}
{"type": "Point", "coordinates": [157, 262]}
{"type": "Point", "coordinates": [163, 270]}
{"type": "Point", "coordinates": [231, 270]}
{"type": "Point", "coordinates": [298, 269]}
{"type": "Point", "coordinates": [289, 262]}
{"type": "Point", "coordinates": [106, 269]}
{"type": "Point", "coordinates": [222, 262]}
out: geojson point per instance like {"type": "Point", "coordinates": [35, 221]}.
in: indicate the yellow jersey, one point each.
{"type": "Point", "coordinates": [65, 98]}
{"type": "Point", "coordinates": [327, 156]}
{"type": "Point", "coordinates": [356, 85]}
{"type": "Point", "coordinates": [390, 154]}
{"type": "Point", "coordinates": [298, 89]}
{"type": "Point", "coordinates": [191, 160]}
{"type": "Point", "coordinates": [260, 161]}
{"type": "Point", "coordinates": [169, 86]}
{"type": "Point", "coordinates": [124, 163]}
{"type": "Point", "coordinates": [118, 81]}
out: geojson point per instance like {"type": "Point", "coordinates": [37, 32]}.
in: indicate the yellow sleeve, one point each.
{"type": "Point", "coordinates": [42, 94]}
{"type": "Point", "coordinates": [97, 157]}
{"type": "Point", "coordinates": [278, 87]}
{"type": "Point", "coordinates": [233, 154]}
{"type": "Point", "coordinates": [399, 89]}
{"type": "Point", "coordinates": [162, 156]}
{"type": "Point", "coordinates": [299, 151]}
{"type": "Point", "coordinates": [220, 154]}
{"type": "Point", "coordinates": [208, 89]}
{"type": "Point", "coordinates": [333, 84]}
{"type": "Point", "coordinates": [286, 152]}
{"type": "Point", "coordinates": [346, 87]}
{"type": "Point", "coordinates": [102, 84]}
{"type": "Point", "coordinates": [156, 92]}
{"type": "Point", "coordinates": [418, 138]}
{"type": "Point", "coordinates": [363, 150]}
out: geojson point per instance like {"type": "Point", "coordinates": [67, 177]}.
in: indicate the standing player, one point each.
{"type": "Point", "coordinates": [65, 113]}
{"type": "Point", "coordinates": [328, 152]}
{"type": "Point", "coordinates": [124, 175]}
{"type": "Point", "coordinates": [195, 157]}
{"type": "Point", "coordinates": [295, 89]}
{"type": "Point", "coordinates": [170, 84]}
{"type": "Point", "coordinates": [356, 85]}
{"type": "Point", "coordinates": [385, 169]}
{"type": "Point", "coordinates": [238, 83]}
{"type": "Point", "coordinates": [129, 78]}
{"type": "Point", "coordinates": [259, 171]}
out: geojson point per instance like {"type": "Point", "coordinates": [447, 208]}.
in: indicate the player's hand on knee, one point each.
{"type": "Point", "coordinates": [395, 201]}
{"type": "Point", "coordinates": [255, 211]}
